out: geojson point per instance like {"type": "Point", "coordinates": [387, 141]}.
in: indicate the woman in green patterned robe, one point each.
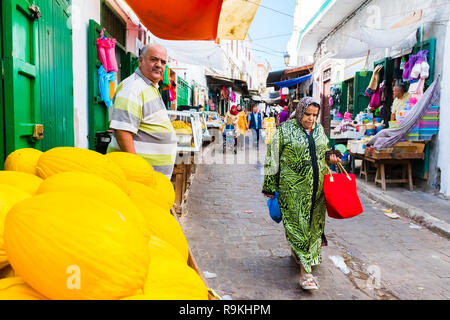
{"type": "Point", "coordinates": [295, 166]}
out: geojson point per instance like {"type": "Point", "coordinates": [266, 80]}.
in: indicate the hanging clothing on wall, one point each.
{"type": "Point", "coordinates": [106, 52]}
{"type": "Point", "coordinates": [107, 85]}
{"type": "Point", "coordinates": [373, 85]}
{"type": "Point", "coordinates": [173, 91]}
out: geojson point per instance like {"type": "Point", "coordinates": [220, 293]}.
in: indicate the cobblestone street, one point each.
{"type": "Point", "coordinates": [386, 258]}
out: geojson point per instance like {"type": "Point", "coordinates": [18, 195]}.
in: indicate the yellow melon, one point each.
{"type": "Point", "coordinates": [69, 246]}
{"type": "Point", "coordinates": [21, 180]}
{"type": "Point", "coordinates": [158, 194]}
{"type": "Point", "coordinates": [164, 249]}
{"type": "Point", "coordinates": [16, 289]}
{"type": "Point", "coordinates": [65, 159]}
{"type": "Point", "coordinates": [7, 272]}
{"type": "Point", "coordinates": [135, 167]}
{"type": "Point", "coordinates": [96, 187]}
{"type": "Point", "coordinates": [9, 196]}
{"type": "Point", "coordinates": [170, 279]}
{"type": "Point", "coordinates": [137, 190]}
{"type": "Point", "coordinates": [163, 225]}
{"type": "Point", "coordinates": [165, 188]}
{"type": "Point", "coordinates": [23, 160]}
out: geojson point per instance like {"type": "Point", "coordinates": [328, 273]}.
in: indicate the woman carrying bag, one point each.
{"type": "Point", "coordinates": [296, 162]}
{"type": "Point", "coordinates": [231, 122]}
{"type": "Point", "coordinates": [242, 126]}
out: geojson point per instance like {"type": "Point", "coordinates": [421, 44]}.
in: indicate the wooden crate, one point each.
{"type": "Point", "coordinates": [409, 146]}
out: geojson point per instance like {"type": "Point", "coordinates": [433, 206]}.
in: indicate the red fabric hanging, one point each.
{"type": "Point", "coordinates": [179, 19]}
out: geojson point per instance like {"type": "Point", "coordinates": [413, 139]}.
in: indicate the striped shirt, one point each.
{"type": "Point", "coordinates": [138, 108]}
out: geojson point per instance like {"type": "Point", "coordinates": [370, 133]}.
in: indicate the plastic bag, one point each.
{"type": "Point", "coordinates": [274, 208]}
{"type": "Point", "coordinates": [107, 85]}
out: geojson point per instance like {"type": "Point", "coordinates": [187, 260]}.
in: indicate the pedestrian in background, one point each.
{"type": "Point", "coordinates": [231, 123]}
{"type": "Point", "coordinates": [296, 163]}
{"type": "Point", "coordinates": [284, 115]}
{"type": "Point", "coordinates": [242, 126]}
{"type": "Point", "coordinates": [255, 120]}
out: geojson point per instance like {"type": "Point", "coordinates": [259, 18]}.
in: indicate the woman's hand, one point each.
{"type": "Point", "coordinates": [334, 159]}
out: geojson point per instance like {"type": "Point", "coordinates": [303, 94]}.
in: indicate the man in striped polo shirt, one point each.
{"type": "Point", "coordinates": [139, 117]}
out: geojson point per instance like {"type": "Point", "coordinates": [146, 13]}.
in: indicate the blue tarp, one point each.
{"type": "Point", "coordinates": [291, 82]}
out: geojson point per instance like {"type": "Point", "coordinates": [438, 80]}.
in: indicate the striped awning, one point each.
{"type": "Point", "coordinates": [196, 19]}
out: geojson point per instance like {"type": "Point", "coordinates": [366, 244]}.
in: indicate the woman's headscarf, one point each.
{"type": "Point", "coordinates": [302, 106]}
{"type": "Point", "coordinates": [234, 111]}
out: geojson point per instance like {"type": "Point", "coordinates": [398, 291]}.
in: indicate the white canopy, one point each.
{"type": "Point", "coordinates": [206, 53]}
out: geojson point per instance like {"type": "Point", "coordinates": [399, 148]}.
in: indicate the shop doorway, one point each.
{"type": "Point", "coordinates": [99, 135]}
{"type": "Point", "coordinates": [325, 110]}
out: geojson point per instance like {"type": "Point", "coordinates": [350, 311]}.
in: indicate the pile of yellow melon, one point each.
{"type": "Point", "coordinates": [76, 224]}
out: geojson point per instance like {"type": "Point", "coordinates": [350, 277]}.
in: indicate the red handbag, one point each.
{"type": "Point", "coordinates": [341, 195]}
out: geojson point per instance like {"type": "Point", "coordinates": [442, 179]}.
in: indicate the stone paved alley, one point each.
{"type": "Point", "coordinates": [386, 258]}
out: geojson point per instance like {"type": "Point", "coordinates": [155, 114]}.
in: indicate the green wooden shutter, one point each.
{"type": "Point", "coordinates": [429, 45]}
{"type": "Point", "coordinates": [98, 117]}
{"type": "Point", "coordinates": [56, 74]}
{"type": "Point", "coordinates": [362, 81]}
{"type": "Point", "coordinates": [129, 64]}
{"type": "Point", "coordinates": [2, 106]}
{"type": "Point", "coordinates": [21, 81]}
{"type": "Point", "coordinates": [182, 92]}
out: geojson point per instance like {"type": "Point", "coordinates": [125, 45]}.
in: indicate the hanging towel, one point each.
{"type": "Point", "coordinates": [375, 77]}
{"type": "Point", "coordinates": [107, 85]}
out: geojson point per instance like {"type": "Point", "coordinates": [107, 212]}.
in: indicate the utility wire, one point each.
{"type": "Point", "coordinates": [276, 55]}
{"type": "Point", "coordinates": [267, 8]}
{"type": "Point", "coordinates": [274, 36]}
{"type": "Point", "coordinates": [255, 44]}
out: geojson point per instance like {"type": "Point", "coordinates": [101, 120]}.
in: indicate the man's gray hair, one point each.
{"type": "Point", "coordinates": [148, 46]}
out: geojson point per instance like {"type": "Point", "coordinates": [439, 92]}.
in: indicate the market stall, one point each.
{"type": "Point", "coordinates": [393, 132]}
{"type": "Point", "coordinates": [386, 160]}
{"type": "Point", "coordinates": [188, 128]}
{"type": "Point", "coordinates": [214, 124]}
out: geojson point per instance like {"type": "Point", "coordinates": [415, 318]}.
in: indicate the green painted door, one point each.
{"type": "Point", "coordinates": [56, 73]}
{"type": "Point", "coordinates": [182, 92]}
{"type": "Point", "coordinates": [21, 91]}
{"type": "Point", "coordinates": [98, 112]}
{"type": "Point", "coordinates": [2, 105]}
{"type": "Point", "coordinates": [362, 81]}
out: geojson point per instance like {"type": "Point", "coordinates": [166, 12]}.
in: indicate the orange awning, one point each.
{"type": "Point", "coordinates": [196, 19]}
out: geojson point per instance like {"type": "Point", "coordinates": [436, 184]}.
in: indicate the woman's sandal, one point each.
{"type": "Point", "coordinates": [309, 282]}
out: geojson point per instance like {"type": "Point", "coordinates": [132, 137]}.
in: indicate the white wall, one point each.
{"type": "Point", "coordinates": [444, 129]}
{"type": "Point", "coordinates": [304, 11]}
{"type": "Point", "coordinates": [83, 11]}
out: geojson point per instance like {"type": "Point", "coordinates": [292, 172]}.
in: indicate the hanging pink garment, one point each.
{"type": "Point", "coordinates": [416, 89]}
{"type": "Point", "coordinates": [375, 100]}
{"type": "Point", "coordinates": [106, 53]}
